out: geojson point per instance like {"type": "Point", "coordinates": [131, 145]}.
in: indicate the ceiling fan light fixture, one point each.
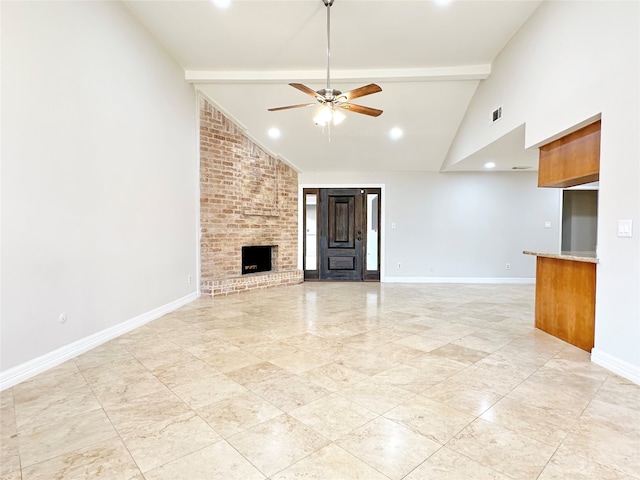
{"type": "Point", "coordinates": [328, 114]}
{"type": "Point", "coordinates": [338, 117]}
{"type": "Point", "coordinates": [324, 116]}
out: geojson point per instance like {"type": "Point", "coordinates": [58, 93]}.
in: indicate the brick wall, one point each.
{"type": "Point", "coordinates": [247, 197]}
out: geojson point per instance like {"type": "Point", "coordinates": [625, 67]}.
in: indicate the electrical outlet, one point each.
{"type": "Point", "coordinates": [507, 266]}
{"type": "Point", "coordinates": [399, 265]}
{"type": "Point", "coordinates": [189, 279]}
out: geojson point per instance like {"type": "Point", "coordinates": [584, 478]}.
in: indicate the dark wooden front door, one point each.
{"type": "Point", "coordinates": [341, 232]}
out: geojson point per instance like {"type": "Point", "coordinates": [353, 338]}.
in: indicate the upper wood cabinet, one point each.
{"type": "Point", "coordinates": [571, 160]}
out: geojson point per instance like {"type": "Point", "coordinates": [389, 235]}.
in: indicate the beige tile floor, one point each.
{"type": "Point", "coordinates": [329, 381]}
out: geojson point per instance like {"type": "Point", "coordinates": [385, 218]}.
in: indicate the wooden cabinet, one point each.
{"type": "Point", "coordinates": [571, 160]}
{"type": "Point", "coordinates": [566, 300]}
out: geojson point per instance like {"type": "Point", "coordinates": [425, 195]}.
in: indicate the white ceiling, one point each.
{"type": "Point", "coordinates": [428, 58]}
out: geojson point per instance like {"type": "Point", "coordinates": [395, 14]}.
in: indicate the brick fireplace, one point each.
{"type": "Point", "coordinates": [247, 198]}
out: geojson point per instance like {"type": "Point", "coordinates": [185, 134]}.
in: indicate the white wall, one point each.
{"type": "Point", "coordinates": [99, 175]}
{"type": "Point", "coordinates": [571, 62]}
{"type": "Point", "coordinates": [459, 225]}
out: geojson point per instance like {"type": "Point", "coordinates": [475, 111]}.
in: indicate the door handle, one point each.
{"type": "Point", "coordinates": [359, 232]}
{"type": "Point", "coordinates": [358, 238]}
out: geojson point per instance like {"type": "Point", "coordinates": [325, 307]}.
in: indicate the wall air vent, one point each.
{"type": "Point", "coordinates": [496, 115]}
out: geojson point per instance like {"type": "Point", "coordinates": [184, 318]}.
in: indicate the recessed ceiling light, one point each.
{"type": "Point", "coordinates": [274, 133]}
{"type": "Point", "coordinates": [395, 133]}
{"type": "Point", "coordinates": [490, 165]}
{"type": "Point", "coordinates": [222, 3]}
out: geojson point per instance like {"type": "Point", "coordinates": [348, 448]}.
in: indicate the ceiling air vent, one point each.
{"type": "Point", "coordinates": [496, 115]}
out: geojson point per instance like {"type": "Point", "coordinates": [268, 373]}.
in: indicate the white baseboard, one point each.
{"type": "Point", "coordinates": [29, 369]}
{"type": "Point", "coordinates": [620, 367]}
{"type": "Point", "coordinates": [488, 280]}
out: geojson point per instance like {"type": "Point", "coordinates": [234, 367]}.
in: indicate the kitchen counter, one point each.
{"type": "Point", "coordinates": [589, 257]}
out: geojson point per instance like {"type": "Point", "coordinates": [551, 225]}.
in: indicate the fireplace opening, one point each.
{"type": "Point", "coordinates": [256, 259]}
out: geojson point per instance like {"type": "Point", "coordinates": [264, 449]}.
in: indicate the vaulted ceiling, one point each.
{"type": "Point", "coordinates": [427, 55]}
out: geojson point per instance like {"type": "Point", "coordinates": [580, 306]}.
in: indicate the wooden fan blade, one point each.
{"type": "Point", "coordinates": [362, 91]}
{"type": "Point", "coordinates": [292, 106]}
{"type": "Point", "coordinates": [372, 112]}
{"type": "Point", "coordinates": [305, 89]}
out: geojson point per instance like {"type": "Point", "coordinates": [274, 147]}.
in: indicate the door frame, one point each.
{"type": "Point", "coordinates": [382, 214]}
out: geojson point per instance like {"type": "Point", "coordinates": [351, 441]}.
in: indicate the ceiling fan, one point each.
{"type": "Point", "coordinates": [332, 100]}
